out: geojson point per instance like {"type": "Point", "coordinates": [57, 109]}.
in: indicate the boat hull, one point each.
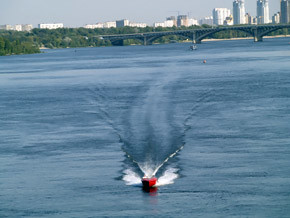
{"type": "Point", "coordinates": [149, 182]}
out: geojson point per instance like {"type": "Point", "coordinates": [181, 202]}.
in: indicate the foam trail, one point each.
{"type": "Point", "coordinates": [168, 177]}
{"type": "Point", "coordinates": [171, 156]}
{"type": "Point", "coordinates": [131, 178]}
{"type": "Point", "coordinates": [147, 168]}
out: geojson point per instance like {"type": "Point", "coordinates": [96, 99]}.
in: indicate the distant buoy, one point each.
{"type": "Point", "coordinates": [204, 61]}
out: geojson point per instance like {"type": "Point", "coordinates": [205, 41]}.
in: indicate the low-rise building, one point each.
{"type": "Point", "coordinates": [229, 21]}
{"type": "Point", "coordinates": [50, 25]}
{"type": "Point", "coordinates": [17, 27]}
{"type": "Point", "coordinates": [94, 26]}
{"type": "Point", "coordinates": [155, 25]}
{"type": "Point", "coordinates": [167, 23]}
{"type": "Point", "coordinates": [6, 27]}
{"type": "Point", "coordinates": [110, 24]}
{"type": "Point", "coordinates": [122, 23]}
{"type": "Point", "coordinates": [140, 25]}
{"type": "Point", "coordinates": [27, 27]}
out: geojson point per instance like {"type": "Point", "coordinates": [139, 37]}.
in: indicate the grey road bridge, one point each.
{"type": "Point", "coordinates": [196, 35]}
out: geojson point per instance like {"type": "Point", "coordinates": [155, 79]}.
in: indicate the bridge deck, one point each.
{"type": "Point", "coordinates": [197, 35]}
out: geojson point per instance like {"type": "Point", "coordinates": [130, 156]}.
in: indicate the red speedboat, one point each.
{"type": "Point", "coordinates": [149, 182]}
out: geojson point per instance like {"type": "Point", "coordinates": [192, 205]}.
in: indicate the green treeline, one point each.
{"type": "Point", "coordinates": [16, 46]}
{"type": "Point", "coordinates": [13, 42]}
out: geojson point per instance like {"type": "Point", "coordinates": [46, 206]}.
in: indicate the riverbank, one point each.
{"type": "Point", "coordinates": [244, 38]}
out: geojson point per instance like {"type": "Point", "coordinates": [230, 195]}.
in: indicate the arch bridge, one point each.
{"type": "Point", "coordinates": [196, 35]}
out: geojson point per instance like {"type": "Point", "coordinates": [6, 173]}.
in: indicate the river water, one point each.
{"type": "Point", "coordinates": [80, 127]}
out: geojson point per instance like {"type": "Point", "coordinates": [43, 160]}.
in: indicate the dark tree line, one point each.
{"type": "Point", "coordinates": [10, 47]}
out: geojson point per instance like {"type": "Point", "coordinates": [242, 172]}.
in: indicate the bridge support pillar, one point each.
{"type": "Point", "coordinates": [257, 36]}
{"type": "Point", "coordinates": [195, 39]}
{"type": "Point", "coordinates": [258, 39]}
{"type": "Point", "coordinates": [146, 41]}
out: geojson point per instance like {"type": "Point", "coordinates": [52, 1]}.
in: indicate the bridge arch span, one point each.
{"type": "Point", "coordinates": [150, 40]}
{"type": "Point", "coordinates": [197, 35]}
{"type": "Point", "coordinates": [203, 35]}
{"type": "Point", "coordinates": [267, 31]}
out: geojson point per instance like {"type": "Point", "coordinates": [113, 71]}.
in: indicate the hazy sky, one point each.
{"type": "Point", "coordinates": [79, 12]}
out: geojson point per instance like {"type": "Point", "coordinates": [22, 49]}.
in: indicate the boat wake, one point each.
{"type": "Point", "coordinates": [151, 122]}
{"type": "Point", "coordinates": [167, 178]}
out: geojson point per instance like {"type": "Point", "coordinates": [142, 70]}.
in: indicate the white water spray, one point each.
{"type": "Point", "coordinates": [131, 178]}
{"type": "Point", "coordinates": [168, 177]}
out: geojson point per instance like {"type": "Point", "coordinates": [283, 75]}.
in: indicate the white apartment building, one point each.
{"type": "Point", "coordinates": [6, 27]}
{"type": "Point", "coordinates": [140, 25]}
{"type": "Point", "coordinates": [263, 11]}
{"type": "Point", "coordinates": [155, 25]}
{"type": "Point", "coordinates": [27, 27]}
{"type": "Point", "coordinates": [192, 22]}
{"type": "Point", "coordinates": [17, 27]}
{"type": "Point", "coordinates": [94, 26]}
{"type": "Point", "coordinates": [206, 20]}
{"type": "Point", "coordinates": [50, 26]}
{"type": "Point", "coordinates": [220, 15]}
{"type": "Point", "coordinates": [239, 12]}
{"type": "Point", "coordinates": [167, 23]}
{"type": "Point", "coordinates": [276, 18]}
{"type": "Point", "coordinates": [110, 24]}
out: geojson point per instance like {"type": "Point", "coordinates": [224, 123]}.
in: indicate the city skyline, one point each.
{"type": "Point", "coordinates": [75, 13]}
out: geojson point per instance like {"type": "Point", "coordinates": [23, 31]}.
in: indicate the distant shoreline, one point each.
{"type": "Point", "coordinates": [244, 38]}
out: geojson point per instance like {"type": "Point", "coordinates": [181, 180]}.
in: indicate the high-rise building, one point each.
{"type": "Point", "coordinates": [220, 15]}
{"type": "Point", "coordinates": [182, 20]}
{"type": "Point", "coordinates": [263, 11]}
{"type": "Point", "coordinates": [239, 12]}
{"type": "Point", "coordinates": [249, 19]}
{"type": "Point", "coordinates": [285, 11]}
{"type": "Point", "coordinates": [276, 18]}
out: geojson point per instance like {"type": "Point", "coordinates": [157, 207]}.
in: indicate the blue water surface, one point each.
{"type": "Point", "coordinates": [80, 127]}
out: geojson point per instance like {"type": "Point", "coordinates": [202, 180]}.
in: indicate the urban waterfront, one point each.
{"type": "Point", "coordinates": [77, 123]}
